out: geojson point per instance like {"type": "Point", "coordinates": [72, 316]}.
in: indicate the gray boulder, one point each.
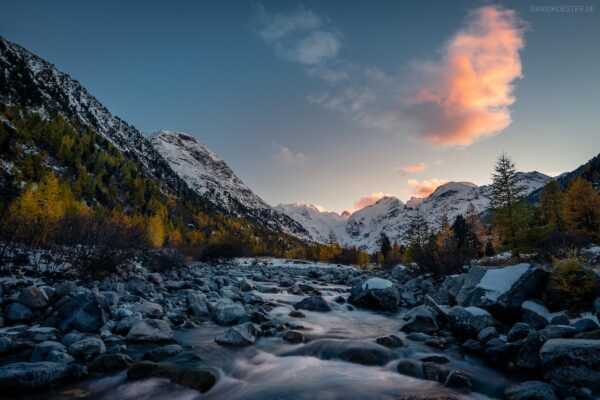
{"type": "Point", "coordinates": [502, 290]}
{"type": "Point", "coordinates": [150, 330]}
{"type": "Point", "coordinates": [163, 352]}
{"type": "Point", "coordinates": [196, 305]}
{"type": "Point", "coordinates": [572, 361]}
{"type": "Point", "coordinates": [239, 335]}
{"type": "Point", "coordinates": [519, 331]}
{"type": "Point", "coordinates": [313, 303]}
{"type": "Point", "coordinates": [532, 390]}
{"type": "Point", "coordinates": [468, 321]}
{"type": "Point", "coordinates": [17, 312]}
{"type": "Point", "coordinates": [450, 289]}
{"type": "Point", "coordinates": [86, 312]}
{"type": "Point", "coordinates": [41, 351]}
{"type": "Point", "coordinates": [226, 312]}
{"type": "Point", "coordinates": [420, 319]}
{"type": "Point", "coordinates": [375, 293]}
{"type": "Point", "coordinates": [34, 375]}
{"type": "Point", "coordinates": [535, 314]}
{"type": "Point", "coordinates": [87, 348]}
{"type": "Point", "coordinates": [34, 297]}
{"type": "Point", "coordinates": [354, 351]}
{"type": "Point", "coordinates": [200, 378]}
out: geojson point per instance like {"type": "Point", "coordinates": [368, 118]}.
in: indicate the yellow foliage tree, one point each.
{"type": "Point", "coordinates": [156, 230]}
{"type": "Point", "coordinates": [581, 209]}
{"type": "Point", "coordinates": [573, 281]}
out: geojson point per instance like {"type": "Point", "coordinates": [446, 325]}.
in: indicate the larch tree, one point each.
{"type": "Point", "coordinates": [581, 209]}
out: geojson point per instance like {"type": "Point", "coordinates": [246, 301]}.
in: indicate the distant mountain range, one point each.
{"type": "Point", "coordinates": [186, 167]}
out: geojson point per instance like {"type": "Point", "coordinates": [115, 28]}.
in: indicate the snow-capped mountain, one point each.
{"type": "Point", "coordinates": [187, 168]}
{"type": "Point", "coordinates": [211, 178]}
{"type": "Point", "coordinates": [363, 228]}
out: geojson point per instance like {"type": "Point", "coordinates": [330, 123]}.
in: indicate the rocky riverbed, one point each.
{"type": "Point", "coordinates": [273, 329]}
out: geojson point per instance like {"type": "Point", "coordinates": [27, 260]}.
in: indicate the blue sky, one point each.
{"type": "Point", "coordinates": [327, 102]}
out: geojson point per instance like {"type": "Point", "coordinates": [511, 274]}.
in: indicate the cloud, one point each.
{"type": "Point", "coordinates": [462, 96]}
{"type": "Point", "coordinates": [288, 159]}
{"type": "Point", "coordinates": [368, 200]}
{"type": "Point", "coordinates": [412, 169]}
{"type": "Point", "coordinates": [426, 187]}
{"type": "Point", "coordinates": [301, 36]}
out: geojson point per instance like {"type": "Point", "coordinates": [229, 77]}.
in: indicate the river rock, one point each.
{"type": "Point", "coordinates": [532, 390]}
{"type": "Point", "coordinates": [293, 337]}
{"type": "Point", "coordinates": [392, 341]}
{"type": "Point", "coordinates": [486, 334]}
{"type": "Point", "coordinates": [458, 380]}
{"type": "Point", "coordinates": [111, 362]}
{"type": "Point", "coordinates": [17, 312]}
{"type": "Point", "coordinates": [163, 352]}
{"type": "Point", "coordinates": [408, 367]}
{"type": "Point", "coordinates": [501, 290]}
{"type": "Point", "coordinates": [151, 310]}
{"type": "Point", "coordinates": [34, 375]}
{"type": "Point", "coordinates": [41, 351]}
{"type": "Point", "coordinates": [519, 331]}
{"type": "Point", "coordinates": [87, 348]}
{"type": "Point", "coordinates": [313, 303]}
{"type": "Point", "coordinates": [199, 378]}
{"type": "Point", "coordinates": [239, 335]}
{"type": "Point", "coordinates": [86, 312]}
{"type": "Point", "coordinates": [468, 321]}
{"type": "Point", "coordinates": [535, 314]}
{"type": "Point", "coordinates": [585, 325]}
{"type": "Point", "coordinates": [420, 319]}
{"type": "Point", "coordinates": [34, 297]}
{"type": "Point", "coordinates": [225, 312]}
{"type": "Point", "coordinates": [354, 351]}
{"type": "Point", "coordinates": [572, 361]}
{"type": "Point", "coordinates": [450, 289]}
{"type": "Point", "coordinates": [375, 293]}
{"type": "Point", "coordinates": [150, 330]}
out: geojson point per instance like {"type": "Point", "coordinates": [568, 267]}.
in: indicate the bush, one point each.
{"type": "Point", "coordinates": [166, 260]}
{"type": "Point", "coordinates": [576, 284]}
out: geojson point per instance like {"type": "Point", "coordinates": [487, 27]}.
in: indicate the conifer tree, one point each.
{"type": "Point", "coordinates": [551, 204]}
{"type": "Point", "coordinates": [507, 193]}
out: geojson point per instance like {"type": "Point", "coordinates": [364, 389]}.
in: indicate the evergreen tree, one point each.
{"type": "Point", "coordinates": [385, 245]}
{"type": "Point", "coordinates": [507, 193]}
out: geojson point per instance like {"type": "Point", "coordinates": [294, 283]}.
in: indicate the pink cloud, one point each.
{"type": "Point", "coordinates": [368, 200]}
{"type": "Point", "coordinates": [465, 96]}
{"type": "Point", "coordinates": [411, 169]}
{"type": "Point", "coordinates": [426, 187]}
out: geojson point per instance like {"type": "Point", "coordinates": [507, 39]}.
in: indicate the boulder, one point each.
{"type": "Point", "coordinates": [313, 303]}
{"type": "Point", "coordinates": [151, 310]}
{"type": "Point", "coordinates": [450, 289]}
{"type": "Point", "coordinates": [163, 352]}
{"type": "Point", "coordinates": [392, 341]}
{"type": "Point", "coordinates": [502, 290]}
{"type": "Point", "coordinates": [468, 321]}
{"type": "Point", "coordinates": [87, 348]}
{"type": "Point", "coordinates": [239, 335]}
{"type": "Point", "coordinates": [572, 361]}
{"type": "Point", "coordinates": [107, 363]}
{"type": "Point", "coordinates": [408, 367]}
{"type": "Point", "coordinates": [41, 351]}
{"type": "Point", "coordinates": [354, 351]}
{"type": "Point", "coordinates": [432, 371]}
{"type": "Point", "coordinates": [199, 378]}
{"type": "Point", "coordinates": [226, 312]}
{"type": "Point", "coordinates": [293, 337]}
{"type": "Point", "coordinates": [420, 319]}
{"type": "Point", "coordinates": [535, 314]}
{"type": "Point", "coordinates": [486, 334]}
{"type": "Point", "coordinates": [585, 325]}
{"type": "Point", "coordinates": [150, 330]}
{"type": "Point", "coordinates": [375, 293]}
{"type": "Point", "coordinates": [22, 375]}
{"type": "Point", "coordinates": [532, 390]}
{"type": "Point", "coordinates": [458, 380]}
{"type": "Point", "coordinates": [86, 312]}
{"type": "Point", "coordinates": [519, 331]}
{"type": "Point", "coordinates": [17, 312]}
{"type": "Point", "coordinates": [33, 297]}
{"type": "Point", "coordinates": [528, 357]}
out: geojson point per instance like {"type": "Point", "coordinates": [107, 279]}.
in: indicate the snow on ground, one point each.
{"type": "Point", "coordinates": [376, 283]}
{"type": "Point", "coordinates": [284, 262]}
{"type": "Point", "coordinates": [537, 308]}
{"type": "Point", "coordinates": [476, 311]}
{"type": "Point", "coordinates": [498, 281]}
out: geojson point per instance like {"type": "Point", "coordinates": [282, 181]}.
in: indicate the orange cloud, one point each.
{"type": "Point", "coordinates": [411, 169]}
{"type": "Point", "coordinates": [368, 200]}
{"type": "Point", "coordinates": [467, 94]}
{"type": "Point", "coordinates": [426, 187]}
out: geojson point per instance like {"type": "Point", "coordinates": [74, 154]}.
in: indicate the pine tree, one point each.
{"type": "Point", "coordinates": [507, 193]}
{"type": "Point", "coordinates": [385, 246]}
{"type": "Point", "coordinates": [551, 204]}
{"type": "Point", "coordinates": [581, 209]}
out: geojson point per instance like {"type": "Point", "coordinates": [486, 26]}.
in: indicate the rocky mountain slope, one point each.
{"type": "Point", "coordinates": [392, 216]}
{"type": "Point", "coordinates": [182, 165]}
{"type": "Point", "coordinates": [211, 178]}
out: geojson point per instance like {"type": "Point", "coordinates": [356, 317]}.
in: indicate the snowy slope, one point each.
{"type": "Point", "coordinates": [390, 215]}
{"type": "Point", "coordinates": [318, 223]}
{"type": "Point", "coordinates": [211, 177]}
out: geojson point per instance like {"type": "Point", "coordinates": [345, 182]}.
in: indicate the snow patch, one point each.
{"type": "Point", "coordinates": [497, 282]}
{"type": "Point", "coordinates": [478, 312]}
{"type": "Point", "coordinates": [376, 283]}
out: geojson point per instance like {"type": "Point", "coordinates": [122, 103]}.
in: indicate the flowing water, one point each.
{"type": "Point", "coordinates": [274, 369]}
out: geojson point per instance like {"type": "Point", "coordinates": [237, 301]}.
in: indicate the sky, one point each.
{"type": "Point", "coordinates": [337, 103]}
